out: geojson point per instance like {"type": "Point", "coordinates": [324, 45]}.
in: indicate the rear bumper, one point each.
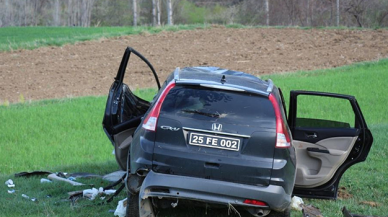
{"type": "Point", "coordinates": [212, 191]}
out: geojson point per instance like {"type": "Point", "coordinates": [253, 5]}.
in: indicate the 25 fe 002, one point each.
{"type": "Point", "coordinates": [211, 141]}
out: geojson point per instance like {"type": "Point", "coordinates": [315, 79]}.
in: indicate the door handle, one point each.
{"type": "Point", "coordinates": [312, 135]}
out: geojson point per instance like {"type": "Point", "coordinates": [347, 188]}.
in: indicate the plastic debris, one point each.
{"type": "Point", "coordinates": [43, 180]}
{"type": "Point", "coordinates": [11, 191]}
{"type": "Point", "coordinates": [115, 176]}
{"type": "Point", "coordinates": [56, 177]}
{"type": "Point", "coordinates": [121, 208]}
{"type": "Point", "coordinates": [25, 196]}
{"type": "Point", "coordinates": [84, 175]}
{"type": "Point", "coordinates": [10, 183]}
{"type": "Point", "coordinates": [61, 174]}
{"type": "Point", "coordinates": [109, 192]}
{"type": "Point", "coordinates": [71, 178]}
{"type": "Point", "coordinates": [90, 193]}
{"type": "Point", "coordinates": [34, 199]}
{"type": "Point", "coordinates": [296, 203]}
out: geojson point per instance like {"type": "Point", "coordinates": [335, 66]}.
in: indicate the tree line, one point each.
{"type": "Point", "coordinates": [351, 13]}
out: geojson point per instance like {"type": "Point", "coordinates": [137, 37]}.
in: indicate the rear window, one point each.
{"type": "Point", "coordinates": [212, 104]}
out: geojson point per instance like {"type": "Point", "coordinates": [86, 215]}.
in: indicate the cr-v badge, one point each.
{"type": "Point", "coordinates": [170, 128]}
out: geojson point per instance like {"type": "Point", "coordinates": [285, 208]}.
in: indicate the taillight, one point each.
{"type": "Point", "coordinates": [282, 137]}
{"type": "Point", "coordinates": [255, 202]}
{"type": "Point", "coordinates": [152, 118]}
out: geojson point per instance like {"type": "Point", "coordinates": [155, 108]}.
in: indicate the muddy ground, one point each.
{"type": "Point", "coordinates": [88, 68]}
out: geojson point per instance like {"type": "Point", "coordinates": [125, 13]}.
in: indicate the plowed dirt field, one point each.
{"type": "Point", "coordinates": [88, 68]}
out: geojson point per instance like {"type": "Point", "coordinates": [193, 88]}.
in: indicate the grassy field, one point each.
{"type": "Point", "coordinates": [14, 38]}
{"type": "Point", "coordinates": [66, 135]}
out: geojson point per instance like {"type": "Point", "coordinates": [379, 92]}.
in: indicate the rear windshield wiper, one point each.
{"type": "Point", "coordinates": [213, 115]}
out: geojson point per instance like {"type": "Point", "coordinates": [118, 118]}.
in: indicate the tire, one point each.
{"type": "Point", "coordinates": [132, 205]}
{"type": "Point", "coordinates": [285, 213]}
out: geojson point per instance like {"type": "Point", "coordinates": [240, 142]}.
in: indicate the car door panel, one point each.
{"type": "Point", "coordinates": [326, 148]}
{"type": "Point", "coordinates": [124, 110]}
{"type": "Point", "coordinates": [317, 162]}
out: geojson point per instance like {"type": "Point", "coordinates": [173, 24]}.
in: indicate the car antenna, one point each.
{"type": "Point", "coordinates": [223, 79]}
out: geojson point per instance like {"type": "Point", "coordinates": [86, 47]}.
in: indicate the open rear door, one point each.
{"type": "Point", "coordinates": [124, 110]}
{"type": "Point", "coordinates": [329, 135]}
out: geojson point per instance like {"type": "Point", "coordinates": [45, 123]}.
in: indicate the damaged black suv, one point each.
{"type": "Point", "coordinates": [223, 137]}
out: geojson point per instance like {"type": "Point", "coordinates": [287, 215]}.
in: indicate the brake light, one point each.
{"type": "Point", "coordinates": [152, 118]}
{"type": "Point", "coordinates": [282, 137]}
{"type": "Point", "coordinates": [255, 202]}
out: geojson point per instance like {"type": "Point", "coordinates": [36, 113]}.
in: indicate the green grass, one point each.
{"type": "Point", "coordinates": [14, 38]}
{"type": "Point", "coordinates": [66, 135]}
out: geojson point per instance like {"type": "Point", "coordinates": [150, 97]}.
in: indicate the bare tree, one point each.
{"type": "Point", "coordinates": [158, 11]}
{"type": "Point", "coordinates": [293, 10]}
{"type": "Point", "coordinates": [169, 12]}
{"type": "Point", "coordinates": [56, 14]}
{"type": "Point", "coordinates": [154, 12]}
{"type": "Point", "coordinates": [70, 13]}
{"type": "Point", "coordinates": [308, 13]}
{"type": "Point", "coordinates": [355, 8]}
{"type": "Point", "coordinates": [134, 7]}
{"type": "Point", "coordinates": [7, 13]}
{"type": "Point", "coordinates": [338, 12]}
{"type": "Point", "coordinates": [267, 11]}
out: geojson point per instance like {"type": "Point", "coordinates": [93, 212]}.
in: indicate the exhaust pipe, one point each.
{"type": "Point", "coordinates": [260, 212]}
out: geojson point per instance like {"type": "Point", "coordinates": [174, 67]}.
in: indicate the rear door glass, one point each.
{"type": "Point", "coordinates": [324, 112]}
{"type": "Point", "coordinates": [140, 79]}
{"type": "Point", "coordinates": [211, 104]}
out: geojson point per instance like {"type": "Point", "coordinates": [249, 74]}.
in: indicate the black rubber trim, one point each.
{"type": "Point", "coordinates": [135, 122]}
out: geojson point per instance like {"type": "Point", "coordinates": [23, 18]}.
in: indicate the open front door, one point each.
{"type": "Point", "coordinates": [124, 110]}
{"type": "Point", "coordinates": [329, 135]}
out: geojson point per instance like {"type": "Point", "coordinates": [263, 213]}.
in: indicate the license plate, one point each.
{"type": "Point", "coordinates": [210, 141]}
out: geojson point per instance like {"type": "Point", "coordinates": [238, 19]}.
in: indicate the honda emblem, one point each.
{"type": "Point", "coordinates": [216, 127]}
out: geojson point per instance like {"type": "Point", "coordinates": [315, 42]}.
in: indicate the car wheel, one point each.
{"type": "Point", "coordinates": [285, 213]}
{"type": "Point", "coordinates": [132, 205]}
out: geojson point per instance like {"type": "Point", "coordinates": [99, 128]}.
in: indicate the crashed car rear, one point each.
{"type": "Point", "coordinates": [223, 137]}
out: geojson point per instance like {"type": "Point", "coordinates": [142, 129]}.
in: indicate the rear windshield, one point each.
{"type": "Point", "coordinates": [211, 104]}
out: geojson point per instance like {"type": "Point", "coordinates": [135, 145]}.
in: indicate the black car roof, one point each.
{"type": "Point", "coordinates": [213, 77]}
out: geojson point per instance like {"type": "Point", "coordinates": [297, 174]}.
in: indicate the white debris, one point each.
{"type": "Point", "coordinates": [121, 208]}
{"type": "Point", "coordinates": [43, 180]}
{"type": "Point", "coordinates": [10, 183]}
{"type": "Point", "coordinates": [108, 192]}
{"type": "Point", "coordinates": [90, 193]}
{"type": "Point", "coordinates": [11, 191]}
{"type": "Point", "coordinates": [55, 177]}
{"type": "Point", "coordinates": [25, 196]}
{"type": "Point", "coordinates": [296, 203]}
